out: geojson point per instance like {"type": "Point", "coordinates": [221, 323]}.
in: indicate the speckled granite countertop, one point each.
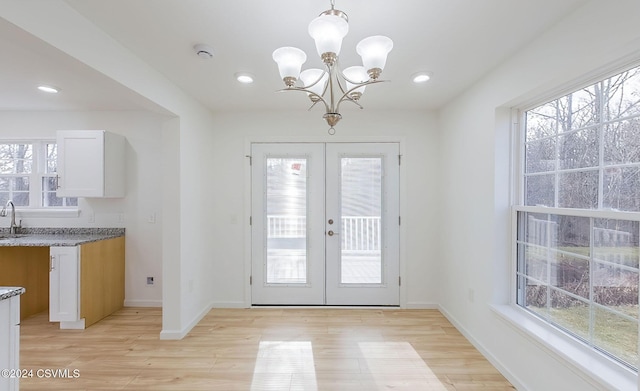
{"type": "Point", "coordinates": [7, 292]}
{"type": "Point", "coordinates": [53, 237]}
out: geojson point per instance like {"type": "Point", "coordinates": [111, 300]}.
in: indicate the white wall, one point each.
{"type": "Point", "coordinates": [475, 130]}
{"type": "Point", "coordinates": [229, 170]}
{"type": "Point", "coordinates": [144, 190]}
{"type": "Point", "coordinates": [186, 229]}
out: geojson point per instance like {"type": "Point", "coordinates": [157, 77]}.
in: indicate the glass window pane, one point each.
{"type": "Point", "coordinates": [541, 122]}
{"type": "Point", "coordinates": [49, 197]}
{"type": "Point", "coordinates": [540, 190]}
{"type": "Point", "coordinates": [20, 198]}
{"type": "Point", "coordinates": [535, 263]}
{"type": "Point", "coordinates": [286, 213]}
{"type": "Point", "coordinates": [616, 287]}
{"type": "Point", "coordinates": [15, 189]}
{"type": "Point", "coordinates": [536, 297]}
{"type": "Point", "coordinates": [578, 190]}
{"type": "Point", "coordinates": [579, 109]}
{"type": "Point", "coordinates": [361, 192]}
{"type": "Point", "coordinates": [573, 234]}
{"type": "Point", "coordinates": [52, 154]}
{"type": "Point", "coordinates": [622, 92]}
{"type": "Point", "coordinates": [616, 241]}
{"type": "Point", "coordinates": [540, 155]}
{"type": "Point", "coordinates": [622, 188]}
{"type": "Point", "coordinates": [570, 313]}
{"type": "Point", "coordinates": [569, 273]}
{"type": "Point", "coordinates": [622, 142]}
{"type": "Point", "coordinates": [579, 149]}
{"type": "Point", "coordinates": [540, 229]}
{"type": "Point", "coordinates": [617, 335]}
{"type": "Point", "coordinates": [16, 158]}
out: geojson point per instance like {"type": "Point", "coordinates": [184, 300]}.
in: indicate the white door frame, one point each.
{"type": "Point", "coordinates": [321, 139]}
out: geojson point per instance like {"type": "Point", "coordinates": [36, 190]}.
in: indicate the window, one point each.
{"type": "Point", "coordinates": [578, 218]}
{"type": "Point", "coordinates": [28, 175]}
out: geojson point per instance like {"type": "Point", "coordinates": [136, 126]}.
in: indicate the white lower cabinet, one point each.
{"type": "Point", "coordinates": [64, 287]}
{"type": "Point", "coordinates": [10, 343]}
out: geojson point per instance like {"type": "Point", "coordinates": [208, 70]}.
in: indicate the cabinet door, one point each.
{"type": "Point", "coordinates": [80, 163]}
{"type": "Point", "coordinates": [5, 341]}
{"type": "Point", "coordinates": [9, 341]}
{"type": "Point", "coordinates": [64, 285]}
{"type": "Point", "coordinates": [14, 339]}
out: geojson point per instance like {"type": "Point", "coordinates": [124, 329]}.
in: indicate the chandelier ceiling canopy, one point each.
{"type": "Point", "coordinates": [333, 85]}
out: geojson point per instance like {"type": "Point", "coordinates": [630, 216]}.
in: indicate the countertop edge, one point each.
{"type": "Point", "coordinates": [15, 291]}
{"type": "Point", "coordinates": [60, 237]}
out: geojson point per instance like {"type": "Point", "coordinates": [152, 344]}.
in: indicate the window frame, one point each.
{"type": "Point", "coordinates": [36, 207]}
{"type": "Point", "coordinates": [600, 366]}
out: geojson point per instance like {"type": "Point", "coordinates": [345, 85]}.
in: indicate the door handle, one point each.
{"type": "Point", "coordinates": [331, 233]}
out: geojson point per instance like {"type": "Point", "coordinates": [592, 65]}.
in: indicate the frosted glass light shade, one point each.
{"type": "Point", "coordinates": [357, 74]}
{"type": "Point", "coordinates": [328, 31]}
{"type": "Point", "coordinates": [310, 76]}
{"type": "Point", "coordinates": [374, 51]}
{"type": "Point", "coordinates": [289, 61]}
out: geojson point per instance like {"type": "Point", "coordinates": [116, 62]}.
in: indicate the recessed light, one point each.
{"type": "Point", "coordinates": [244, 77]}
{"type": "Point", "coordinates": [49, 89]}
{"type": "Point", "coordinates": [421, 77]}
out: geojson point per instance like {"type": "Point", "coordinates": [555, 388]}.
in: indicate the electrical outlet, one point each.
{"type": "Point", "coordinates": [92, 217]}
{"type": "Point", "coordinates": [149, 280]}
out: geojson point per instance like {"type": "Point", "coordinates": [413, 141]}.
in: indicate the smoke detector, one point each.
{"type": "Point", "coordinates": [203, 51]}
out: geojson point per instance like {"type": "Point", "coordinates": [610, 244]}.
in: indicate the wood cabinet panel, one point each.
{"type": "Point", "coordinates": [27, 267]}
{"type": "Point", "coordinates": [101, 279]}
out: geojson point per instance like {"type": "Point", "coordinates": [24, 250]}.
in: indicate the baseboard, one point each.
{"type": "Point", "coordinates": [179, 334]}
{"type": "Point", "coordinates": [514, 380]}
{"type": "Point", "coordinates": [143, 303]}
{"type": "Point", "coordinates": [417, 305]}
{"type": "Point", "coordinates": [229, 304]}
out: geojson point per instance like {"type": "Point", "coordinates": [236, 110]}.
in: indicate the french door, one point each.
{"type": "Point", "coordinates": [325, 220]}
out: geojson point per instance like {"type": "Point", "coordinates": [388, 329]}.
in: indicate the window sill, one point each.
{"type": "Point", "coordinates": [47, 213]}
{"type": "Point", "coordinates": [594, 367]}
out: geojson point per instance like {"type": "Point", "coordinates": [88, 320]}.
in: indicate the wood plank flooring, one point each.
{"type": "Point", "coordinates": [260, 349]}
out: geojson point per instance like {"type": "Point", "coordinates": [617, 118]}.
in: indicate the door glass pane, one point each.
{"type": "Point", "coordinates": [361, 210]}
{"type": "Point", "coordinates": [286, 201]}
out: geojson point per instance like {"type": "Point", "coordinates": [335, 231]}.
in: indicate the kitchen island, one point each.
{"type": "Point", "coordinates": [77, 274]}
{"type": "Point", "coordinates": [10, 336]}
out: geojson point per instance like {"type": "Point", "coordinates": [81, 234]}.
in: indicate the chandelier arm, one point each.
{"type": "Point", "coordinates": [315, 82]}
{"type": "Point", "coordinates": [346, 96]}
{"type": "Point", "coordinates": [320, 98]}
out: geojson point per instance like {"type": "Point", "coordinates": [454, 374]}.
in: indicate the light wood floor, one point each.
{"type": "Point", "coordinates": [261, 349]}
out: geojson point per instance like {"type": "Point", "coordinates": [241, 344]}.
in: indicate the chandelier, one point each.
{"type": "Point", "coordinates": [332, 85]}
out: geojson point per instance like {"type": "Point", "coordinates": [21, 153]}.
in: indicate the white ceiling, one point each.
{"type": "Point", "coordinates": [458, 41]}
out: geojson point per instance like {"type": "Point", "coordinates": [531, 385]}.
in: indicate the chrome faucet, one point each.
{"type": "Point", "coordinates": [13, 227]}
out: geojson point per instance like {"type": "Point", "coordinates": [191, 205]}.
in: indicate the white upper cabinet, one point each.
{"type": "Point", "coordinates": [91, 163]}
